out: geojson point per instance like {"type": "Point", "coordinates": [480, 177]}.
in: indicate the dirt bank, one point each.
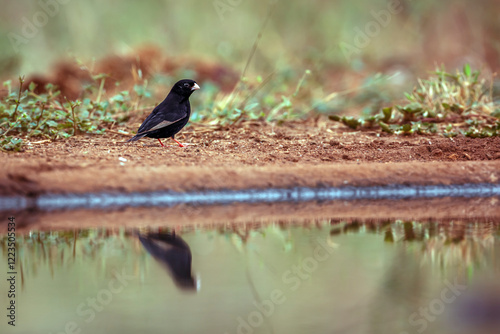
{"type": "Point", "coordinates": [254, 155]}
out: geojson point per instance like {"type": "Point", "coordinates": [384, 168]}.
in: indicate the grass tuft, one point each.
{"type": "Point", "coordinates": [25, 114]}
{"type": "Point", "coordinates": [446, 104]}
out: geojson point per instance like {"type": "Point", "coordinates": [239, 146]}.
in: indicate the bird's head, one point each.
{"type": "Point", "coordinates": [185, 87]}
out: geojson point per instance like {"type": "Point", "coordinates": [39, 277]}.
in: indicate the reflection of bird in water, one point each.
{"type": "Point", "coordinates": [174, 253]}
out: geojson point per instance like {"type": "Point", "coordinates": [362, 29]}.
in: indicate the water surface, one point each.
{"type": "Point", "coordinates": [319, 276]}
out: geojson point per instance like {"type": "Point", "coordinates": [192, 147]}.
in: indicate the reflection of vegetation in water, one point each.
{"type": "Point", "coordinates": [456, 252]}
{"type": "Point", "coordinates": [63, 248]}
{"type": "Point", "coordinates": [443, 244]}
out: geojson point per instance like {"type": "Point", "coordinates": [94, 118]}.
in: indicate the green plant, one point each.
{"type": "Point", "coordinates": [25, 114]}
{"type": "Point", "coordinates": [448, 104]}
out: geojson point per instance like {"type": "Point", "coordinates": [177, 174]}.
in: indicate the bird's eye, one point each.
{"type": "Point", "coordinates": [186, 85]}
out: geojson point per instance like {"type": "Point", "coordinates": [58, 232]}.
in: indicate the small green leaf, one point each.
{"type": "Point", "coordinates": [251, 106]}
{"type": "Point", "coordinates": [411, 108]}
{"type": "Point", "coordinates": [385, 127]}
{"type": "Point", "coordinates": [406, 128]}
{"type": "Point", "coordinates": [409, 97]}
{"type": "Point", "coordinates": [51, 123]}
{"type": "Point", "coordinates": [387, 113]}
{"type": "Point", "coordinates": [351, 122]}
{"type": "Point", "coordinates": [467, 71]}
{"type": "Point", "coordinates": [64, 134]}
{"type": "Point", "coordinates": [457, 108]}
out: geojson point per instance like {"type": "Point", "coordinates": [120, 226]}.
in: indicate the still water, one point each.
{"type": "Point", "coordinates": [315, 276]}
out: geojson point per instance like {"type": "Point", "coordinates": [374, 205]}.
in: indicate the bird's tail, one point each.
{"type": "Point", "coordinates": [134, 138]}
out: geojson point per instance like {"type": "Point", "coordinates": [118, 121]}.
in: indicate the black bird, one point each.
{"type": "Point", "coordinates": [174, 253]}
{"type": "Point", "coordinates": [170, 116]}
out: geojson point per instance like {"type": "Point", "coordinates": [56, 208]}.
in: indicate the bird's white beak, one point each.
{"type": "Point", "coordinates": [195, 87]}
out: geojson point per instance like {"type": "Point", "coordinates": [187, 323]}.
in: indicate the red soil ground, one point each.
{"type": "Point", "coordinates": [254, 155]}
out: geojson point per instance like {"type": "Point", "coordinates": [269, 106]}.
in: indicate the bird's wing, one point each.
{"type": "Point", "coordinates": [160, 125]}
{"type": "Point", "coordinates": [160, 118]}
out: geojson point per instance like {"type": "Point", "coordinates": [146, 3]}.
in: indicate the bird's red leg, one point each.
{"type": "Point", "coordinates": [161, 142]}
{"type": "Point", "coordinates": [180, 145]}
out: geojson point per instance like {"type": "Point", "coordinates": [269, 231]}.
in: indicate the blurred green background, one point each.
{"type": "Point", "coordinates": [299, 34]}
